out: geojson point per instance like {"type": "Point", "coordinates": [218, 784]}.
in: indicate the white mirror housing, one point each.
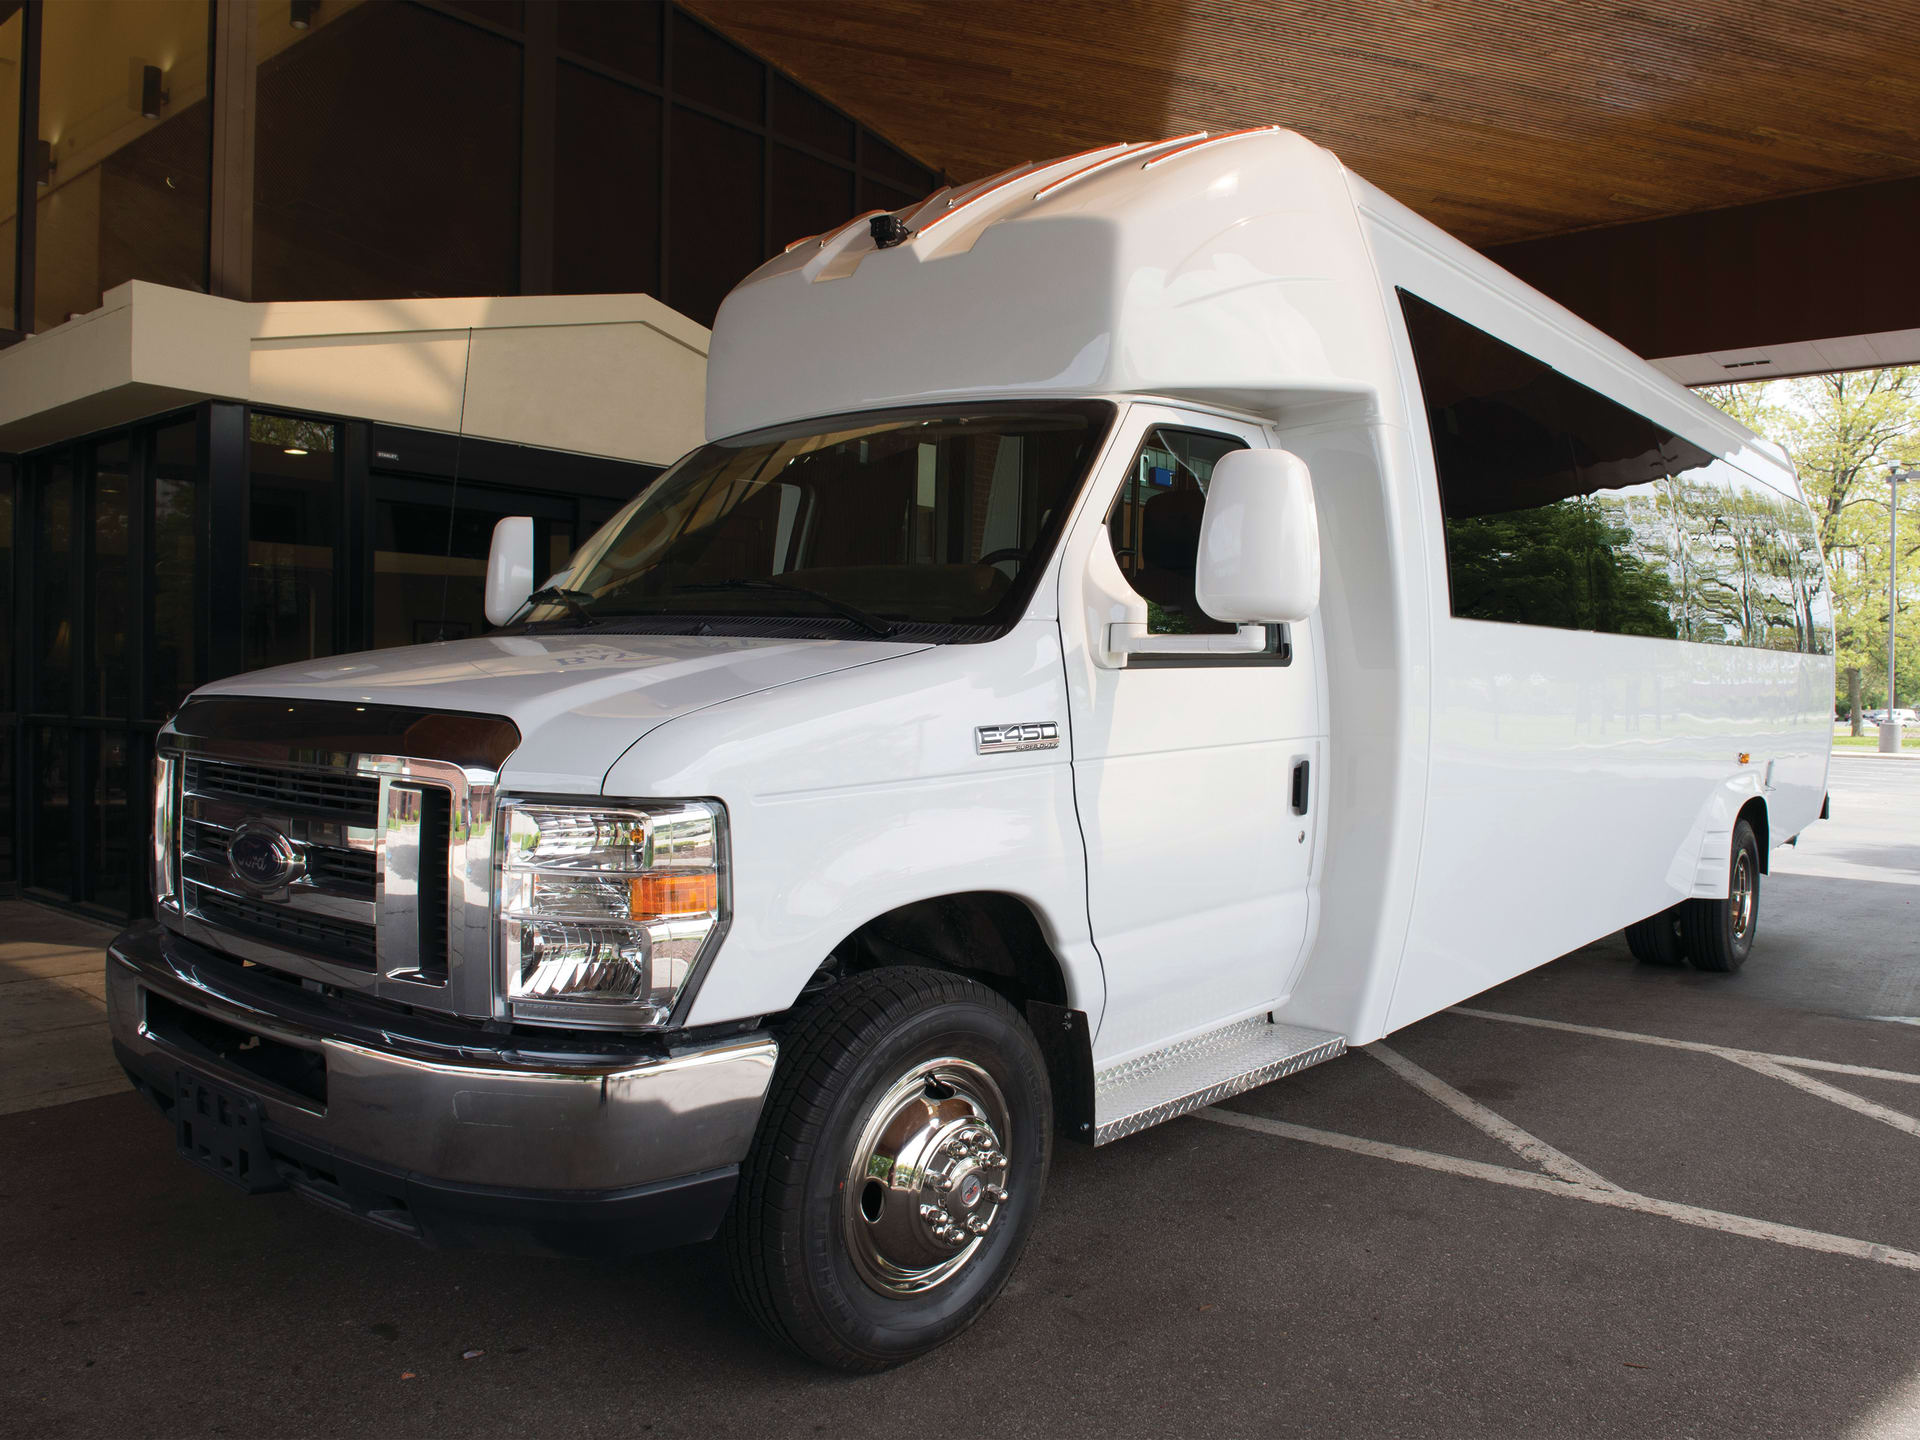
{"type": "Point", "coordinates": [509, 568]}
{"type": "Point", "coordinates": [1259, 540]}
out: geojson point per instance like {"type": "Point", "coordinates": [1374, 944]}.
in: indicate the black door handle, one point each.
{"type": "Point", "coordinates": [1300, 787]}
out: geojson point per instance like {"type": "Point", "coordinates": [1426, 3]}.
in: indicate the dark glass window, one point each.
{"type": "Point", "coordinates": [126, 195]}
{"type": "Point", "coordinates": [293, 523]}
{"type": "Point", "coordinates": [53, 586]}
{"type": "Point", "coordinates": [716, 72]}
{"type": "Point", "coordinates": [809, 195]}
{"type": "Point", "coordinates": [507, 14]}
{"type": "Point", "coordinates": [110, 821]}
{"type": "Point", "coordinates": [7, 599]}
{"type": "Point", "coordinates": [806, 120]}
{"type": "Point", "coordinates": [12, 32]}
{"type": "Point", "coordinates": [1567, 509]}
{"type": "Point", "coordinates": [606, 224]}
{"type": "Point", "coordinates": [623, 35]}
{"type": "Point", "coordinates": [718, 220]}
{"type": "Point", "coordinates": [175, 657]}
{"type": "Point", "coordinates": [50, 848]}
{"type": "Point", "coordinates": [387, 160]}
{"type": "Point", "coordinates": [1154, 526]}
{"type": "Point", "coordinates": [110, 578]}
{"type": "Point", "coordinates": [8, 871]}
{"type": "Point", "coordinates": [430, 560]}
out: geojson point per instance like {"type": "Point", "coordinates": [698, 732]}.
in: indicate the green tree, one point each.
{"type": "Point", "coordinates": [1844, 433]}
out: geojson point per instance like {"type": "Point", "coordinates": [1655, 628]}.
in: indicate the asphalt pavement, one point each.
{"type": "Point", "coordinates": [1666, 1204]}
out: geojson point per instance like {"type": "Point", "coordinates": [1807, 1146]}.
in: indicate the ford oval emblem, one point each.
{"type": "Point", "coordinates": [261, 858]}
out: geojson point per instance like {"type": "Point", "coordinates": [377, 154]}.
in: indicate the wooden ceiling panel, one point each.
{"type": "Point", "coordinates": [1499, 121]}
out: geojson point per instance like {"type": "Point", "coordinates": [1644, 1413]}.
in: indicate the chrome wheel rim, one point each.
{"type": "Point", "coordinates": [928, 1177]}
{"type": "Point", "coordinates": [1741, 896]}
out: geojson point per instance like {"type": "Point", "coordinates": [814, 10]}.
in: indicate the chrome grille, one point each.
{"type": "Point", "coordinates": [386, 868]}
{"type": "Point", "coordinates": [341, 941]}
{"type": "Point", "coordinates": [353, 799]}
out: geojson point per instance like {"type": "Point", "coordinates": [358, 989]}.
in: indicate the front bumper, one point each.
{"type": "Point", "coordinates": [557, 1142]}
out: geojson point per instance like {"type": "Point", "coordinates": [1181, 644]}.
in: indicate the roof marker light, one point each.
{"type": "Point", "coordinates": [1127, 150]}
{"type": "Point", "coordinates": [1204, 141]}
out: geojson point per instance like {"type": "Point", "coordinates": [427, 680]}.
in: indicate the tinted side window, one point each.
{"type": "Point", "coordinates": [1565, 508]}
{"type": "Point", "coordinates": [1154, 526]}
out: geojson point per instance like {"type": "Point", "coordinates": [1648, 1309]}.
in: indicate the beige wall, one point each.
{"type": "Point", "coordinates": [615, 375]}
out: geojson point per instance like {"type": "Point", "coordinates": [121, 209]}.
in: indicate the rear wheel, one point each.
{"type": "Point", "coordinates": [1658, 939]}
{"type": "Point", "coordinates": [1719, 933]}
{"type": "Point", "coordinates": [896, 1171]}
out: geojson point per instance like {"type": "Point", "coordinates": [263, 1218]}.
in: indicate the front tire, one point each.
{"type": "Point", "coordinates": [897, 1168]}
{"type": "Point", "coordinates": [1720, 933]}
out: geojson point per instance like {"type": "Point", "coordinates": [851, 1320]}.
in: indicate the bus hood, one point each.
{"type": "Point", "coordinates": [579, 700]}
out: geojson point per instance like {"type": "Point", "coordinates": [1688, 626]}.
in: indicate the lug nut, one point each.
{"type": "Point", "coordinates": [997, 1192]}
{"type": "Point", "coordinates": [976, 1225]}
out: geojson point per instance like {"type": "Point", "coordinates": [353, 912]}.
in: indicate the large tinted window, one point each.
{"type": "Point", "coordinates": [387, 159]}
{"type": "Point", "coordinates": [931, 524]}
{"type": "Point", "coordinates": [1564, 508]}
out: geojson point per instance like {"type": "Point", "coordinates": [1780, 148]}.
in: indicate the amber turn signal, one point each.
{"type": "Point", "coordinates": [663, 893]}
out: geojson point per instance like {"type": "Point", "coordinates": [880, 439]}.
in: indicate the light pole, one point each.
{"type": "Point", "coordinates": [1890, 731]}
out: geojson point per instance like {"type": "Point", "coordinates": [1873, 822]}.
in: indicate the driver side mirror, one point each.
{"type": "Point", "coordinates": [509, 568]}
{"type": "Point", "coordinates": [1259, 540]}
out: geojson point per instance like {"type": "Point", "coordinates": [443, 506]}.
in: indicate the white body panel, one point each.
{"type": "Point", "coordinates": [1200, 900]}
{"type": "Point", "coordinates": [1484, 797]}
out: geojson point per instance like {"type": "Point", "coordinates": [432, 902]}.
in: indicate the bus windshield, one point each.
{"type": "Point", "coordinates": [896, 523]}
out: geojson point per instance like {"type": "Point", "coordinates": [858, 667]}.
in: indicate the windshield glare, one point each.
{"type": "Point", "coordinates": [935, 517]}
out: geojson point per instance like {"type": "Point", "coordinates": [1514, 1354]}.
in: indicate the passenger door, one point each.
{"type": "Point", "coordinates": [1196, 774]}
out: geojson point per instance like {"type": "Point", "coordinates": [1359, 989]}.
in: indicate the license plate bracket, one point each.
{"type": "Point", "coordinates": [219, 1130]}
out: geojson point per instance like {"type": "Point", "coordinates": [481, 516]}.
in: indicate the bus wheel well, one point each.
{"type": "Point", "coordinates": [992, 937]}
{"type": "Point", "coordinates": [1754, 812]}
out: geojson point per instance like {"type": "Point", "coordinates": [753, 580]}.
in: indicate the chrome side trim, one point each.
{"type": "Point", "coordinates": [1203, 1070]}
{"type": "Point", "coordinates": [397, 879]}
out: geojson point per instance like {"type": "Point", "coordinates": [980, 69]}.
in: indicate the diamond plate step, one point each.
{"type": "Point", "coordinates": [1200, 1071]}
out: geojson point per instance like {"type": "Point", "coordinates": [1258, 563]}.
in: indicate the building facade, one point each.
{"type": "Point", "coordinates": [183, 511]}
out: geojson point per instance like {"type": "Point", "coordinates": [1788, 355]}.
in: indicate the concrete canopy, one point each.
{"type": "Point", "coordinates": [1567, 140]}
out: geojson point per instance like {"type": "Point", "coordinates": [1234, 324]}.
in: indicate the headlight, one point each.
{"type": "Point", "coordinates": [606, 912]}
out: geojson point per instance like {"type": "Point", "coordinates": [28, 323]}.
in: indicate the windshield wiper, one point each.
{"type": "Point", "coordinates": [865, 619]}
{"type": "Point", "coordinates": [575, 602]}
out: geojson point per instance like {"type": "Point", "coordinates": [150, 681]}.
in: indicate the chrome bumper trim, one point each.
{"type": "Point", "coordinates": [462, 1106]}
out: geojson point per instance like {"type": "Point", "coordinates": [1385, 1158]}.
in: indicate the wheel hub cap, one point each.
{"type": "Point", "coordinates": [928, 1177]}
{"type": "Point", "coordinates": [1742, 896]}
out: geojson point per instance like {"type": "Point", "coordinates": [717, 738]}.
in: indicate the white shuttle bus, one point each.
{"type": "Point", "coordinates": [1143, 623]}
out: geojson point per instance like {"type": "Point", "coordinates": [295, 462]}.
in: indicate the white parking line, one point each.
{"type": "Point", "coordinates": [1725, 1052]}
{"type": "Point", "coordinates": [1614, 1197]}
{"type": "Point", "coordinates": [1777, 1071]}
{"type": "Point", "coordinates": [1526, 1146]}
